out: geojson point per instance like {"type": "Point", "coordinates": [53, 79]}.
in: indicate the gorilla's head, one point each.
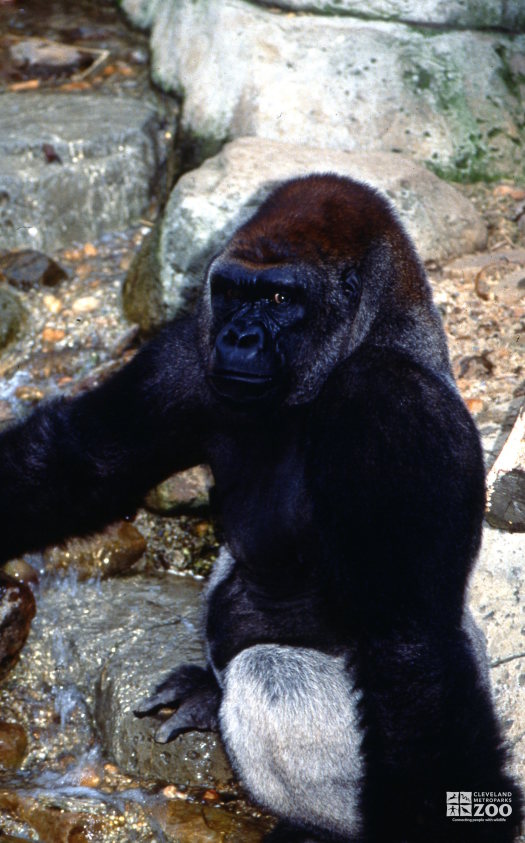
{"type": "Point", "coordinates": [323, 266]}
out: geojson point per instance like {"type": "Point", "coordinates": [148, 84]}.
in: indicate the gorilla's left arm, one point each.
{"type": "Point", "coordinates": [77, 464]}
{"type": "Point", "coordinates": [400, 508]}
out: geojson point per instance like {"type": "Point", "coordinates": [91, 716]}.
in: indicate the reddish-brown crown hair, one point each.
{"type": "Point", "coordinates": [318, 218]}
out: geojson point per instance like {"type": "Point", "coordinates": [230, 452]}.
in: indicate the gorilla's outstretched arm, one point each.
{"type": "Point", "coordinates": [77, 464]}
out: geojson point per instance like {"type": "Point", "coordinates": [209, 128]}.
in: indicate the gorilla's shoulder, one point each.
{"type": "Point", "coordinates": [383, 389]}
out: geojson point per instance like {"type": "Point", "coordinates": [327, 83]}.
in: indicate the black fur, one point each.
{"type": "Point", "coordinates": [349, 483]}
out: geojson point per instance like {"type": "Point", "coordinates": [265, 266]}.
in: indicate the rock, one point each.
{"type": "Point", "coordinates": [17, 610]}
{"type": "Point", "coordinates": [106, 645]}
{"type": "Point", "coordinates": [468, 266]}
{"type": "Point", "coordinates": [471, 14]}
{"type": "Point", "coordinates": [450, 98]}
{"type": "Point", "coordinates": [110, 149]}
{"type": "Point", "coordinates": [186, 823]}
{"type": "Point", "coordinates": [111, 552]}
{"type": "Point", "coordinates": [53, 822]}
{"type": "Point", "coordinates": [21, 570]}
{"type": "Point", "coordinates": [38, 57]}
{"type": "Point", "coordinates": [506, 482]}
{"type": "Point", "coordinates": [12, 315]}
{"type": "Point", "coordinates": [185, 491]}
{"type": "Point", "coordinates": [13, 745]}
{"type": "Point", "coordinates": [194, 758]}
{"type": "Point", "coordinates": [28, 268]}
{"type": "Point", "coordinates": [207, 204]}
{"type": "Point", "coordinates": [496, 601]}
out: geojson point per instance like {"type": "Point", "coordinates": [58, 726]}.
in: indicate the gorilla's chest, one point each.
{"type": "Point", "coordinates": [261, 495]}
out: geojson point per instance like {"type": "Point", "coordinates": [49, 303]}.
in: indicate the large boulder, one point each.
{"type": "Point", "coordinates": [73, 166]}
{"type": "Point", "coordinates": [496, 600]}
{"type": "Point", "coordinates": [352, 76]}
{"type": "Point", "coordinates": [207, 204]}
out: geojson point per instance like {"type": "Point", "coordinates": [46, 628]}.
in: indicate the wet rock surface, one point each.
{"type": "Point", "coordinates": [108, 154]}
{"type": "Point", "coordinates": [107, 645]}
{"type": "Point", "coordinates": [171, 636]}
{"type": "Point", "coordinates": [96, 649]}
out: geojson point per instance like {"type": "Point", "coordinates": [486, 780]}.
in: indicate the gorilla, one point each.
{"type": "Point", "coordinates": [345, 675]}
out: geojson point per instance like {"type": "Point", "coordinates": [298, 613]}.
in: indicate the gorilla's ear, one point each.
{"type": "Point", "coordinates": [352, 284]}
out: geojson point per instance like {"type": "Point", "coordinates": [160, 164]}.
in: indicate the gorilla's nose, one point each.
{"type": "Point", "coordinates": [244, 341]}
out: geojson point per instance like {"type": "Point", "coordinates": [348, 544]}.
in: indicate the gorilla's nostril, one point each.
{"type": "Point", "coordinates": [250, 340]}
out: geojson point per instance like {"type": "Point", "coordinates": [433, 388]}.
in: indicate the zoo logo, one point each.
{"type": "Point", "coordinates": [465, 806]}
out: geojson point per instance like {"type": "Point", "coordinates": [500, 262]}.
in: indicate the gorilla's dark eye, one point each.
{"type": "Point", "coordinates": [351, 284]}
{"type": "Point", "coordinates": [281, 298]}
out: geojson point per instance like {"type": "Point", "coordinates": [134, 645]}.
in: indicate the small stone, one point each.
{"type": "Point", "coordinates": [108, 553]}
{"type": "Point", "coordinates": [44, 58]}
{"type": "Point", "coordinates": [21, 571]}
{"type": "Point", "coordinates": [475, 405]}
{"type": "Point", "coordinates": [29, 394]}
{"type": "Point", "coordinates": [89, 777]}
{"type": "Point", "coordinates": [172, 792]}
{"type": "Point", "coordinates": [53, 304]}
{"type": "Point", "coordinates": [13, 745]}
{"type": "Point", "coordinates": [12, 314]}
{"type": "Point", "coordinates": [510, 289]}
{"type": "Point", "coordinates": [28, 268]}
{"type": "Point", "coordinates": [187, 490]}
{"type": "Point", "coordinates": [90, 250]}
{"type": "Point", "coordinates": [86, 304]}
{"type": "Point", "coordinates": [516, 193]}
{"type": "Point", "coordinates": [53, 335]}
{"type": "Point", "coordinates": [17, 610]}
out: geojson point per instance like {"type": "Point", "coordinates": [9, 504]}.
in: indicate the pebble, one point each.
{"type": "Point", "coordinates": [187, 490]}
{"type": "Point", "coordinates": [17, 610]}
{"type": "Point", "coordinates": [108, 553]}
{"type": "Point", "coordinates": [21, 571]}
{"type": "Point", "coordinates": [53, 304]}
{"type": "Point", "coordinates": [52, 335]}
{"type": "Point", "coordinates": [29, 394]}
{"type": "Point", "coordinates": [12, 315]}
{"type": "Point", "coordinates": [86, 304]}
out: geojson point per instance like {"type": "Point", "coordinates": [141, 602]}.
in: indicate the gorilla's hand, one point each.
{"type": "Point", "coordinates": [194, 692]}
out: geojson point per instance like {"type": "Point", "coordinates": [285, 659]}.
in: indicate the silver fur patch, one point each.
{"type": "Point", "coordinates": [290, 725]}
{"type": "Point", "coordinates": [221, 569]}
{"type": "Point", "coordinates": [479, 649]}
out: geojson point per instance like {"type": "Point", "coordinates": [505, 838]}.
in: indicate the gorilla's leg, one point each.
{"type": "Point", "coordinates": [289, 722]}
{"type": "Point", "coordinates": [195, 693]}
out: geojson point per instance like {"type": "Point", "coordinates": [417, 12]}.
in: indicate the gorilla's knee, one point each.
{"type": "Point", "coordinates": [289, 721]}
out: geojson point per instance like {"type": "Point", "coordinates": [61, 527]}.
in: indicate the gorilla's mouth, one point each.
{"type": "Point", "coordinates": [241, 385]}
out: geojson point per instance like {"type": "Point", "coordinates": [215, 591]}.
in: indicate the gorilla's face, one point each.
{"type": "Point", "coordinates": [301, 285]}
{"type": "Point", "coordinates": [257, 315]}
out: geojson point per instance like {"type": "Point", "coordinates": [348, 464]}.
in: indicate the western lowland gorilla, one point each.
{"type": "Point", "coordinates": [344, 673]}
